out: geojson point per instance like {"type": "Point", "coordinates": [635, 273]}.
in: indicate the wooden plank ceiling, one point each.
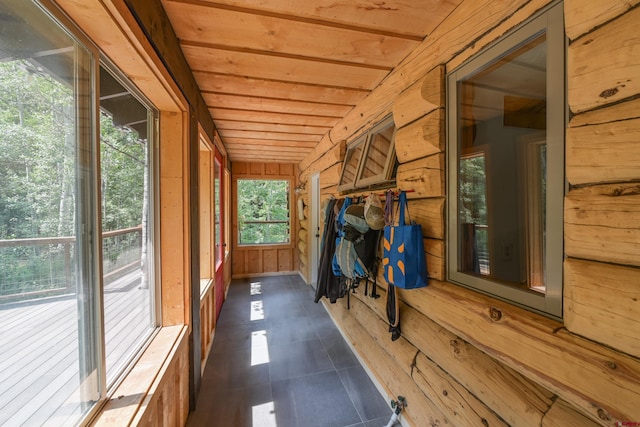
{"type": "Point", "coordinates": [278, 75]}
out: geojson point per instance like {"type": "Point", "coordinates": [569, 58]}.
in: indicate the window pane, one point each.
{"type": "Point", "coordinates": [48, 365]}
{"type": "Point", "coordinates": [126, 227]}
{"type": "Point", "coordinates": [217, 188]}
{"type": "Point", "coordinates": [377, 153]}
{"type": "Point", "coordinates": [263, 211]}
{"type": "Point", "coordinates": [501, 167]}
{"type": "Point", "coordinates": [350, 167]}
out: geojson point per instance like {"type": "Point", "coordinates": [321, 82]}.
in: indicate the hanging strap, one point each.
{"type": "Point", "coordinates": [388, 208]}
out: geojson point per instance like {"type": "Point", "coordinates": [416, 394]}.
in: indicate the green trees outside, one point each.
{"type": "Point", "coordinates": [263, 211]}
{"type": "Point", "coordinates": [38, 176]}
{"type": "Point", "coordinates": [36, 153]}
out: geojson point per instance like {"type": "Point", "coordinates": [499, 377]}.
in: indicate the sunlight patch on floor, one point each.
{"type": "Point", "coordinates": [259, 348]}
{"type": "Point", "coordinates": [264, 415]}
{"type": "Point", "coordinates": [256, 288]}
{"type": "Point", "coordinates": [257, 311]}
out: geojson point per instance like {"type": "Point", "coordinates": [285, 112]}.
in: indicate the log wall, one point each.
{"type": "Point", "coordinates": [469, 359]}
{"type": "Point", "coordinates": [258, 260]}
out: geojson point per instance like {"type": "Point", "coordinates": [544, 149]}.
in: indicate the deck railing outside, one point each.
{"type": "Point", "coordinates": [264, 232]}
{"type": "Point", "coordinates": [40, 267]}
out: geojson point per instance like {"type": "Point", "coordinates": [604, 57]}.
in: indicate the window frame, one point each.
{"type": "Point", "coordinates": [289, 242]}
{"type": "Point", "coordinates": [551, 21]}
{"type": "Point", "coordinates": [88, 261]}
{"type": "Point", "coordinates": [365, 140]}
{"type": "Point", "coordinates": [152, 234]}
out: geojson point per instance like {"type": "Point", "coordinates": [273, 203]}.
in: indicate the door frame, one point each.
{"type": "Point", "coordinates": [314, 231]}
{"type": "Point", "coordinates": [219, 241]}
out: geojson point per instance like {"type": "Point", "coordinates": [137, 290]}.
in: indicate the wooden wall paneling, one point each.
{"type": "Point", "coordinates": [207, 324]}
{"type": "Point", "coordinates": [593, 152]}
{"type": "Point", "coordinates": [561, 414]}
{"type": "Point", "coordinates": [421, 98]}
{"type": "Point", "coordinates": [516, 399]}
{"type": "Point", "coordinates": [601, 223]}
{"type": "Point", "coordinates": [331, 157]}
{"type": "Point", "coordinates": [604, 65]}
{"type": "Point", "coordinates": [255, 261]}
{"type": "Point", "coordinates": [612, 113]}
{"type": "Point", "coordinates": [321, 149]}
{"type": "Point", "coordinates": [256, 168]}
{"type": "Point", "coordinates": [424, 176]}
{"type": "Point", "coordinates": [421, 138]}
{"type": "Point", "coordinates": [240, 168]}
{"type": "Point", "coordinates": [582, 17]}
{"type": "Point", "coordinates": [460, 405]}
{"type": "Point", "coordinates": [239, 264]}
{"type": "Point", "coordinates": [174, 219]}
{"type": "Point", "coordinates": [331, 176]}
{"type": "Point", "coordinates": [456, 403]}
{"type": "Point", "coordinates": [392, 377]}
{"type": "Point", "coordinates": [269, 260]}
{"type": "Point", "coordinates": [435, 256]}
{"type": "Point", "coordinates": [429, 213]}
{"type": "Point", "coordinates": [287, 169]}
{"type": "Point", "coordinates": [302, 249]}
{"type": "Point", "coordinates": [583, 373]}
{"type": "Point", "coordinates": [484, 32]}
{"type": "Point", "coordinates": [285, 260]}
{"type": "Point", "coordinates": [271, 169]}
{"type": "Point", "coordinates": [536, 347]}
{"type": "Point", "coordinates": [601, 303]}
{"type": "Point", "coordinates": [303, 235]}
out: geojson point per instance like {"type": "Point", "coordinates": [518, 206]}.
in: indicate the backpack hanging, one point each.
{"type": "Point", "coordinates": [356, 253]}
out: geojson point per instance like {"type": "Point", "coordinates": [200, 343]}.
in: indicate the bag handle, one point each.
{"type": "Point", "coordinates": [403, 206]}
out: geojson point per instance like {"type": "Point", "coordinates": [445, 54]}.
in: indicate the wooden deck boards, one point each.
{"type": "Point", "coordinates": [39, 368]}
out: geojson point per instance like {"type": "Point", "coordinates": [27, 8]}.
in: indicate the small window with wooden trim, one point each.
{"type": "Point", "coordinates": [505, 127]}
{"type": "Point", "coordinates": [263, 212]}
{"type": "Point", "coordinates": [371, 158]}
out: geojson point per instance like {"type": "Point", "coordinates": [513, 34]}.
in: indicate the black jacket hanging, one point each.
{"type": "Point", "coordinates": [328, 284]}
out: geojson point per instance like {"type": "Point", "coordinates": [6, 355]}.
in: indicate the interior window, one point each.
{"type": "Point", "coordinates": [506, 145]}
{"type": "Point", "coordinates": [370, 159]}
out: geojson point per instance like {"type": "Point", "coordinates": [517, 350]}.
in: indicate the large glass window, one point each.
{"type": "Point", "coordinates": [506, 166]}
{"type": "Point", "coordinates": [73, 313]}
{"type": "Point", "coordinates": [126, 148]}
{"type": "Point", "coordinates": [263, 211]}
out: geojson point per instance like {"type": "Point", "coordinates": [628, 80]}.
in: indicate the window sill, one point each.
{"type": "Point", "coordinates": [134, 397]}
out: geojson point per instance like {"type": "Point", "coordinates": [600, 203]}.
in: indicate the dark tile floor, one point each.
{"type": "Point", "coordinates": [278, 360]}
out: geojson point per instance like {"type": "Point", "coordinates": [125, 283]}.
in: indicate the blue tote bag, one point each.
{"type": "Point", "coordinates": [404, 262]}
